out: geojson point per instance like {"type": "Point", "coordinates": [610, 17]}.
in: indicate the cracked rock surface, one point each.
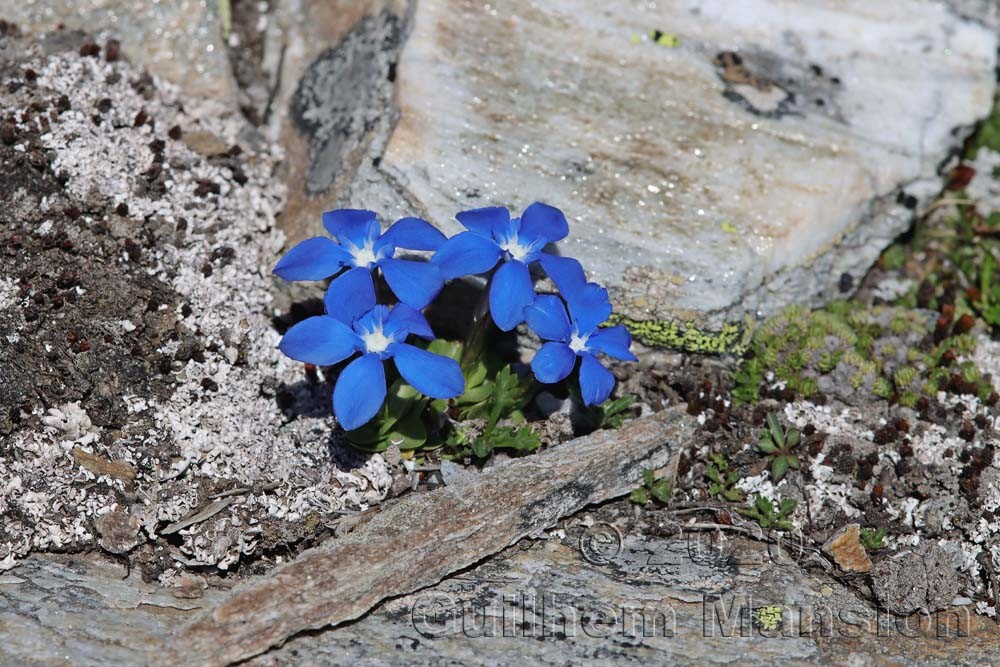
{"type": "Point", "coordinates": [734, 170]}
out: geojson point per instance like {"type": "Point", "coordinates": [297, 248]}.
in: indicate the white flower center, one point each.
{"type": "Point", "coordinates": [376, 341]}
{"type": "Point", "coordinates": [515, 249]}
{"type": "Point", "coordinates": [365, 255]}
{"type": "Point", "coordinates": [578, 344]}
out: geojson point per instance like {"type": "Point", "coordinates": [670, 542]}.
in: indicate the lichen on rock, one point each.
{"type": "Point", "coordinates": [136, 319]}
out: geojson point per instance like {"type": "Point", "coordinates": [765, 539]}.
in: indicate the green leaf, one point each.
{"type": "Point", "coordinates": [410, 432]}
{"type": "Point", "coordinates": [779, 466]}
{"type": "Point", "coordinates": [793, 461]}
{"type": "Point", "coordinates": [648, 477]}
{"type": "Point", "coordinates": [482, 447]}
{"type": "Point", "coordinates": [367, 436]}
{"type": "Point", "coordinates": [662, 491]}
{"type": "Point", "coordinates": [445, 348]}
{"type": "Point", "coordinates": [792, 438]}
{"type": "Point", "coordinates": [640, 496]}
{"type": "Point", "coordinates": [476, 375]}
{"type": "Point", "coordinates": [764, 505]}
{"type": "Point", "coordinates": [787, 506]}
{"type": "Point", "coordinates": [476, 394]}
{"type": "Point", "coordinates": [733, 495]}
{"type": "Point", "coordinates": [766, 446]}
{"type": "Point", "coordinates": [713, 474]}
{"type": "Point", "coordinates": [777, 434]}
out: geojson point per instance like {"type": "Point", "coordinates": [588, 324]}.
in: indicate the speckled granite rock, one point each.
{"type": "Point", "coordinates": [764, 156]}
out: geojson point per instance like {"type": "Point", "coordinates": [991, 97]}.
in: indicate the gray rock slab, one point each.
{"type": "Point", "coordinates": [179, 41]}
{"type": "Point", "coordinates": [748, 158]}
{"type": "Point", "coordinates": [546, 602]}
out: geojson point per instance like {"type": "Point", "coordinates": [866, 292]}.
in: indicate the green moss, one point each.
{"type": "Point", "coordinates": [857, 345]}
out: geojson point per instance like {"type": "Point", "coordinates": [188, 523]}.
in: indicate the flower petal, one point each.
{"type": "Point", "coordinates": [415, 283]}
{"type": "Point", "coordinates": [466, 254]}
{"type": "Point", "coordinates": [547, 317]}
{"type": "Point", "coordinates": [350, 225]}
{"type": "Point", "coordinates": [614, 342]}
{"type": "Point", "coordinates": [350, 295]}
{"type": "Point", "coordinates": [541, 221]}
{"type": "Point", "coordinates": [553, 362]}
{"type": "Point", "coordinates": [412, 234]}
{"type": "Point", "coordinates": [510, 293]}
{"type": "Point", "coordinates": [360, 391]}
{"type": "Point", "coordinates": [565, 272]}
{"type": "Point", "coordinates": [432, 374]}
{"type": "Point", "coordinates": [313, 259]}
{"type": "Point", "coordinates": [320, 340]}
{"type": "Point", "coordinates": [596, 381]}
{"type": "Point", "coordinates": [588, 307]}
{"type": "Point", "coordinates": [492, 222]}
{"type": "Point", "coordinates": [405, 320]}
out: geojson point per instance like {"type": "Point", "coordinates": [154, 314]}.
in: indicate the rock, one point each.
{"type": "Point", "coordinates": [424, 537]}
{"type": "Point", "coordinates": [731, 173]}
{"type": "Point", "coordinates": [846, 550]}
{"type": "Point", "coordinates": [923, 579]}
{"type": "Point", "coordinates": [180, 41]}
{"type": "Point", "coordinates": [118, 531]}
{"type": "Point", "coordinates": [541, 602]}
{"type": "Point", "coordinates": [130, 265]}
{"type": "Point", "coordinates": [187, 586]}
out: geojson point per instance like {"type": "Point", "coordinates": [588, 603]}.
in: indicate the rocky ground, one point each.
{"type": "Point", "coordinates": [147, 418]}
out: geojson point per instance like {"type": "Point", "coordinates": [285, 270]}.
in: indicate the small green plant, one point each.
{"type": "Point", "coordinates": [398, 422]}
{"type": "Point", "coordinates": [493, 393]}
{"type": "Point", "coordinates": [872, 539]}
{"type": "Point", "coordinates": [764, 513]}
{"type": "Point", "coordinates": [723, 480]}
{"type": "Point", "coordinates": [777, 444]}
{"type": "Point", "coordinates": [652, 489]}
{"type": "Point", "coordinates": [988, 304]}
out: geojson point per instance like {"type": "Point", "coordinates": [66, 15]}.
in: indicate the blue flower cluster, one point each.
{"type": "Point", "coordinates": [355, 323]}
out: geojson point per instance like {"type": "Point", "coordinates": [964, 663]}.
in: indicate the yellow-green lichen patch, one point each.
{"type": "Point", "coordinates": [881, 351]}
{"type": "Point", "coordinates": [731, 338]}
{"type": "Point", "coordinates": [768, 618]}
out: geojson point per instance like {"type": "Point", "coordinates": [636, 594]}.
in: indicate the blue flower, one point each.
{"type": "Point", "coordinates": [361, 243]}
{"type": "Point", "coordinates": [493, 237]}
{"type": "Point", "coordinates": [576, 333]}
{"type": "Point", "coordinates": [354, 323]}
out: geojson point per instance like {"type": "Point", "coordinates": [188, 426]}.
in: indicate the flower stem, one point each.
{"type": "Point", "coordinates": [479, 329]}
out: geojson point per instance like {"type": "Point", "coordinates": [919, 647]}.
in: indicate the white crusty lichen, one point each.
{"type": "Point", "coordinates": [932, 446]}
{"type": "Point", "coordinates": [232, 438]}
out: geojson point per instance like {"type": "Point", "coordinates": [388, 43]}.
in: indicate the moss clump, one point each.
{"type": "Point", "coordinates": [878, 351]}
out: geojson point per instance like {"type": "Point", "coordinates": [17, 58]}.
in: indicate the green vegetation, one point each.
{"type": "Point", "coordinates": [872, 539]}
{"type": "Point", "coordinates": [723, 480]}
{"type": "Point", "coordinates": [777, 445]}
{"type": "Point", "coordinates": [883, 351]}
{"type": "Point", "coordinates": [652, 489]}
{"type": "Point", "coordinates": [767, 517]}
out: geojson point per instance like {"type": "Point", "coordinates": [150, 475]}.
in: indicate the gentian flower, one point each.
{"type": "Point", "coordinates": [493, 237]}
{"type": "Point", "coordinates": [576, 333]}
{"type": "Point", "coordinates": [355, 323]}
{"type": "Point", "coordinates": [361, 243]}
